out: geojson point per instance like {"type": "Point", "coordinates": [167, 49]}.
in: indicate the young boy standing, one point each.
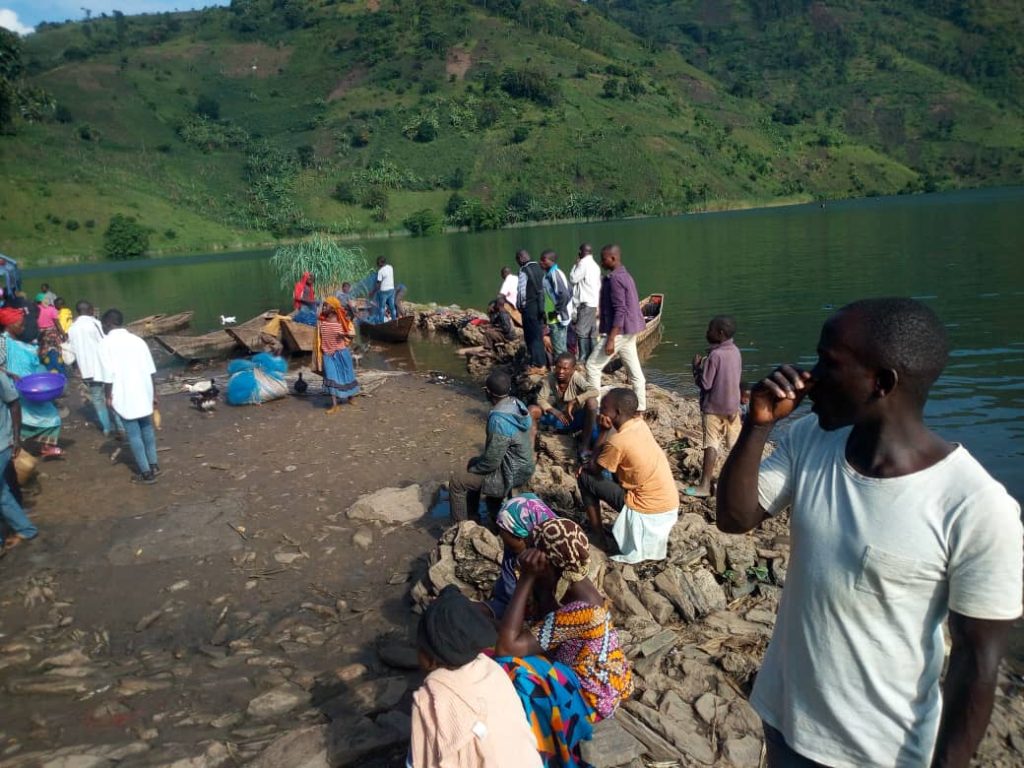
{"type": "Point", "coordinates": [717, 376]}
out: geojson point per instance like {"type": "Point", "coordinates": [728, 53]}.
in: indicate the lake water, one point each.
{"type": "Point", "coordinates": [779, 271]}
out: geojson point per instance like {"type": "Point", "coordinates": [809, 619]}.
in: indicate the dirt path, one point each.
{"type": "Point", "coordinates": [149, 588]}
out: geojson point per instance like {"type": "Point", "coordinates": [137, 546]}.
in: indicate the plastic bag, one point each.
{"type": "Point", "coordinates": [256, 381]}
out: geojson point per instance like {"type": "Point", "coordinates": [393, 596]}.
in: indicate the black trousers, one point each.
{"type": "Point", "coordinates": [596, 488]}
{"type": "Point", "coordinates": [464, 492]}
{"type": "Point", "coordinates": [533, 336]}
{"type": "Point", "coordinates": [781, 755]}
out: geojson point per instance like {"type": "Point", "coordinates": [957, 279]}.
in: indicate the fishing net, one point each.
{"type": "Point", "coordinates": [256, 381]}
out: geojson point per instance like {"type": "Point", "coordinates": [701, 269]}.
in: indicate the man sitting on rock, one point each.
{"type": "Point", "coordinates": [643, 490]}
{"type": "Point", "coordinates": [567, 404]}
{"type": "Point", "coordinates": [507, 461]}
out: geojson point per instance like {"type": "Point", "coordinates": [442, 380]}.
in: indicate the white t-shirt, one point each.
{"type": "Point", "coordinates": [851, 677]}
{"type": "Point", "coordinates": [586, 282]}
{"type": "Point", "coordinates": [127, 365]}
{"type": "Point", "coordinates": [84, 336]}
{"type": "Point", "coordinates": [510, 289]}
{"type": "Point", "coordinates": [386, 278]}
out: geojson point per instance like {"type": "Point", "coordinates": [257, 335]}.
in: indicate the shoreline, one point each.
{"type": "Point", "coordinates": [711, 207]}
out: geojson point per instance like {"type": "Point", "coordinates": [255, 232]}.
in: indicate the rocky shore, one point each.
{"type": "Point", "coordinates": [257, 606]}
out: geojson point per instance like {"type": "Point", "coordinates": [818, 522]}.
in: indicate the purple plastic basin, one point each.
{"type": "Point", "coordinates": [41, 387]}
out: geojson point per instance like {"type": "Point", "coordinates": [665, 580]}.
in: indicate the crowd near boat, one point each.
{"type": "Point", "coordinates": [895, 531]}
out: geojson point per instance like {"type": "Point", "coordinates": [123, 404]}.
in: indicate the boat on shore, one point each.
{"type": "Point", "coordinates": [297, 338]}
{"type": "Point", "coordinates": [220, 343]}
{"type": "Point", "coordinates": [249, 335]}
{"type": "Point", "coordinates": [653, 307]}
{"type": "Point", "coordinates": [153, 325]}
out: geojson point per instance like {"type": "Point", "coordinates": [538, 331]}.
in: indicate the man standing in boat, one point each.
{"type": "Point", "coordinates": [621, 319]}
{"type": "Point", "coordinates": [385, 291]}
{"type": "Point", "coordinates": [531, 305]}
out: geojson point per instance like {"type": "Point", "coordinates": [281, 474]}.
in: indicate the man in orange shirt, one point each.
{"type": "Point", "coordinates": [642, 488]}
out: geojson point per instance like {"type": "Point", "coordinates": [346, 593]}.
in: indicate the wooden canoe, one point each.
{"type": "Point", "coordinates": [153, 325]}
{"type": "Point", "coordinates": [249, 335]}
{"type": "Point", "coordinates": [653, 308]}
{"type": "Point", "coordinates": [209, 345]}
{"type": "Point", "coordinates": [395, 331]}
{"type": "Point", "coordinates": [297, 337]}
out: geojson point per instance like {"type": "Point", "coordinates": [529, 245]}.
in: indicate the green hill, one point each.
{"type": "Point", "coordinates": [275, 118]}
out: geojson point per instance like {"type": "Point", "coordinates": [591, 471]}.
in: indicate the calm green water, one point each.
{"type": "Point", "coordinates": [779, 271]}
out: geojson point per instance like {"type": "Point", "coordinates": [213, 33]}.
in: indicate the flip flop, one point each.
{"type": "Point", "coordinates": [695, 494]}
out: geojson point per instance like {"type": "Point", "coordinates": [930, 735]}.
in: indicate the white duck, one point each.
{"type": "Point", "coordinates": [227, 320]}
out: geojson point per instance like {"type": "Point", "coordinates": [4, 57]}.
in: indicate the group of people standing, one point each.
{"type": "Point", "coordinates": [117, 369]}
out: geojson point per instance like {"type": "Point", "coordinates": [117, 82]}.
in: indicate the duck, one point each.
{"type": "Point", "coordinates": [301, 385]}
{"type": "Point", "coordinates": [198, 387]}
{"type": "Point", "coordinates": [228, 320]}
{"type": "Point", "coordinates": [206, 400]}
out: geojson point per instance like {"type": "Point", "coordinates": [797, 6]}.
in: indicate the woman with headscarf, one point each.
{"type": "Point", "coordinates": [39, 420]}
{"type": "Point", "coordinates": [576, 628]}
{"type": "Point", "coordinates": [304, 300]}
{"type": "Point", "coordinates": [466, 713]}
{"type": "Point", "coordinates": [516, 520]}
{"type": "Point", "coordinates": [334, 333]}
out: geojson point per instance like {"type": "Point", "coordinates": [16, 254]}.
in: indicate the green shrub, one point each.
{"type": "Point", "coordinates": [63, 115]}
{"type": "Point", "coordinates": [375, 197]}
{"type": "Point", "coordinates": [531, 83]}
{"type": "Point", "coordinates": [330, 263]}
{"type": "Point", "coordinates": [170, 234]}
{"type": "Point", "coordinates": [71, 225]}
{"type": "Point", "coordinates": [345, 193]}
{"type": "Point", "coordinates": [90, 223]}
{"type": "Point", "coordinates": [124, 238]}
{"type": "Point", "coordinates": [520, 134]}
{"type": "Point", "coordinates": [208, 107]}
{"type": "Point", "coordinates": [306, 155]}
{"type": "Point", "coordinates": [422, 223]}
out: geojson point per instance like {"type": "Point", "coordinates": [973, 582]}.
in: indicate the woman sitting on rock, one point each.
{"type": "Point", "coordinates": [516, 520]}
{"type": "Point", "coordinates": [576, 628]}
{"type": "Point", "coordinates": [466, 713]}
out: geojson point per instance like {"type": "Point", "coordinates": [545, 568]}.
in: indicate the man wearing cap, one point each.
{"type": "Point", "coordinates": [507, 461]}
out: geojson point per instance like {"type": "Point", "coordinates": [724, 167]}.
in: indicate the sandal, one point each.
{"type": "Point", "coordinates": [696, 493]}
{"type": "Point", "coordinates": [51, 451]}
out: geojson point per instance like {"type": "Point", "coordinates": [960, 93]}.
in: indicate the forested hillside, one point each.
{"type": "Point", "coordinates": [277, 118]}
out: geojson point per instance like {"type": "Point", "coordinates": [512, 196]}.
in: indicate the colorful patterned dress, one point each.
{"type": "Point", "coordinates": [581, 636]}
{"type": "Point", "coordinates": [555, 709]}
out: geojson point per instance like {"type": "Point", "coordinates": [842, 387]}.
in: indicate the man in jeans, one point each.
{"type": "Point", "coordinates": [507, 461]}
{"type": "Point", "coordinates": [85, 336]}
{"type": "Point", "coordinates": [17, 525]}
{"type": "Point", "coordinates": [557, 302]}
{"type": "Point", "coordinates": [530, 301]}
{"type": "Point", "coordinates": [127, 369]}
{"type": "Point", "coordinates": [385, 291]}
{"type": "Point", "coordinates": [621, 319]}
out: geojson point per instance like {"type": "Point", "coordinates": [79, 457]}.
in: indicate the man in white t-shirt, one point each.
{"type": "Point", "coordinates": [509, 286]}
{"type": "Point", "coordinates": [385, 290]}
{"type": "Point", "coordinates": [585, 279]}
{"type": "Point", "coordinates": [126, 368]}
{"type": "Point", "coordinates": [84, 337]}
{"type": "Point", "coordinates": [894, 531]}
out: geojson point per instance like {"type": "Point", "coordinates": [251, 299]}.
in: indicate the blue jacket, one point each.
{"type": "Point", "coordinates": [507, 460]}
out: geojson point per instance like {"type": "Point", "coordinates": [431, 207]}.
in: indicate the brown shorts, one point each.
{"type": "Point", "coordinates": [719, 430]}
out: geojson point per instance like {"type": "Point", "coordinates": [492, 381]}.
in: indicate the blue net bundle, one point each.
{"type": "Point", "coordinates": [256, 381]}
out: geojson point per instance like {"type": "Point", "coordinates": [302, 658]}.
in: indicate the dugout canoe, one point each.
{"type": "Point", "coordinates": [249, 335]}
{"type": "Point", "coordinates": [154, 325]}
{"type": "Point", "coordinates": [297, 338]}
{"type": "Point", "coordinates": [204, 347]}
{"type": "Point", "coordinates": [653, 308]}
{"type": "Point", "coordinates": [395, 331]}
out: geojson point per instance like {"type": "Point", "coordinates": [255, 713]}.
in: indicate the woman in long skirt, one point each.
{"type": "Point", "coordinates": [334, 334]}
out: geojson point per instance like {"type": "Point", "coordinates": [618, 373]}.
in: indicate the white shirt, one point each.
{"type": "Point", "coordinates": [510, 289]}
{"type": "Point", "coordinates": [586, 282]}
{"type": "Point", "coordinates": [127, 365]}
{"type": "Point", "coordinates": [851, 677]}
{"type": "Point", "coordinates": [84, 336]}
{"type": "Point", "coordinates": [386, 278]}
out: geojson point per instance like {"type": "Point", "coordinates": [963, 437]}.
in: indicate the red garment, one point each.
{"type": "Point", "coordinates": [303, 291]}
{"type": "Point", "coordinates": [10, 315]}
{"type": "Point", "coordinates": [332, 337]}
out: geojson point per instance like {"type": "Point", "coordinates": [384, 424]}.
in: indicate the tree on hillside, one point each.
{"type": "Point", "coordinates": [125, 238]}
{"type": "Point", "coordinates": [10, 74]}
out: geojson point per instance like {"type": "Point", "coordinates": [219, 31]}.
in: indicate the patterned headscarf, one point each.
{"type": "Point", "coordinates": [521, 514]}
{"type": "Point", "coordinates": [333, 303]}
{"type": "Point", "coordinates": [567, 549]}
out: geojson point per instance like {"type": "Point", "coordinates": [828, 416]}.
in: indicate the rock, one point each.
{"type": "Point", "coordinates": [716, 553]}
{"type": "Point", "coordinates": [350, 739]}
{"type": "Point", "coordinates": [132, 686]}
{"type": "Point", "coordinates": [396, 721]}
{"type": "Point", "coordinates": [656, 746]}
{"type": "Point", "coordinates": [661, 609]}
{"type": "Point", "coordinates": [710, 708]}
{"type": "Point", "coordinates": [389, 505]}
{"type": "Point", "coordinates": [77, 761]}
{"type": "Point", "coordinates": [363, 538]}
{"type": "Point", "coordinates": [743, 751]}
{"type": "Point", "coordinates": [611, 745]}
{"type": "Point", "coordinates": [740, 553]}
{"type": "Point", "coordinates": [301, 748]}
{"type": "Point", "coordinates": [761, 616]}
{"type": "Point", "coordinates": [72, 658]}
{"type": "Point", "coordinates": [622, 598]}
{"type": "Point", "coordinates": [366, 698]}
{"type": "Point", "coordinates": [33, 685]}
{"type": "Point", "coordinates": [350, 672]}
{"type": "Point", "coordinates": [228, 720]}
{"type": "Point", "coordinates": [704, 592]}
{"type": "Point", "coordinates": [661, 641]}
{"type": "Point", "coordinates": [399, 656]}
{"type": "Point", "coordinates": [214, 756]}
{"type": "Point", "coordinates": [276, 702]}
